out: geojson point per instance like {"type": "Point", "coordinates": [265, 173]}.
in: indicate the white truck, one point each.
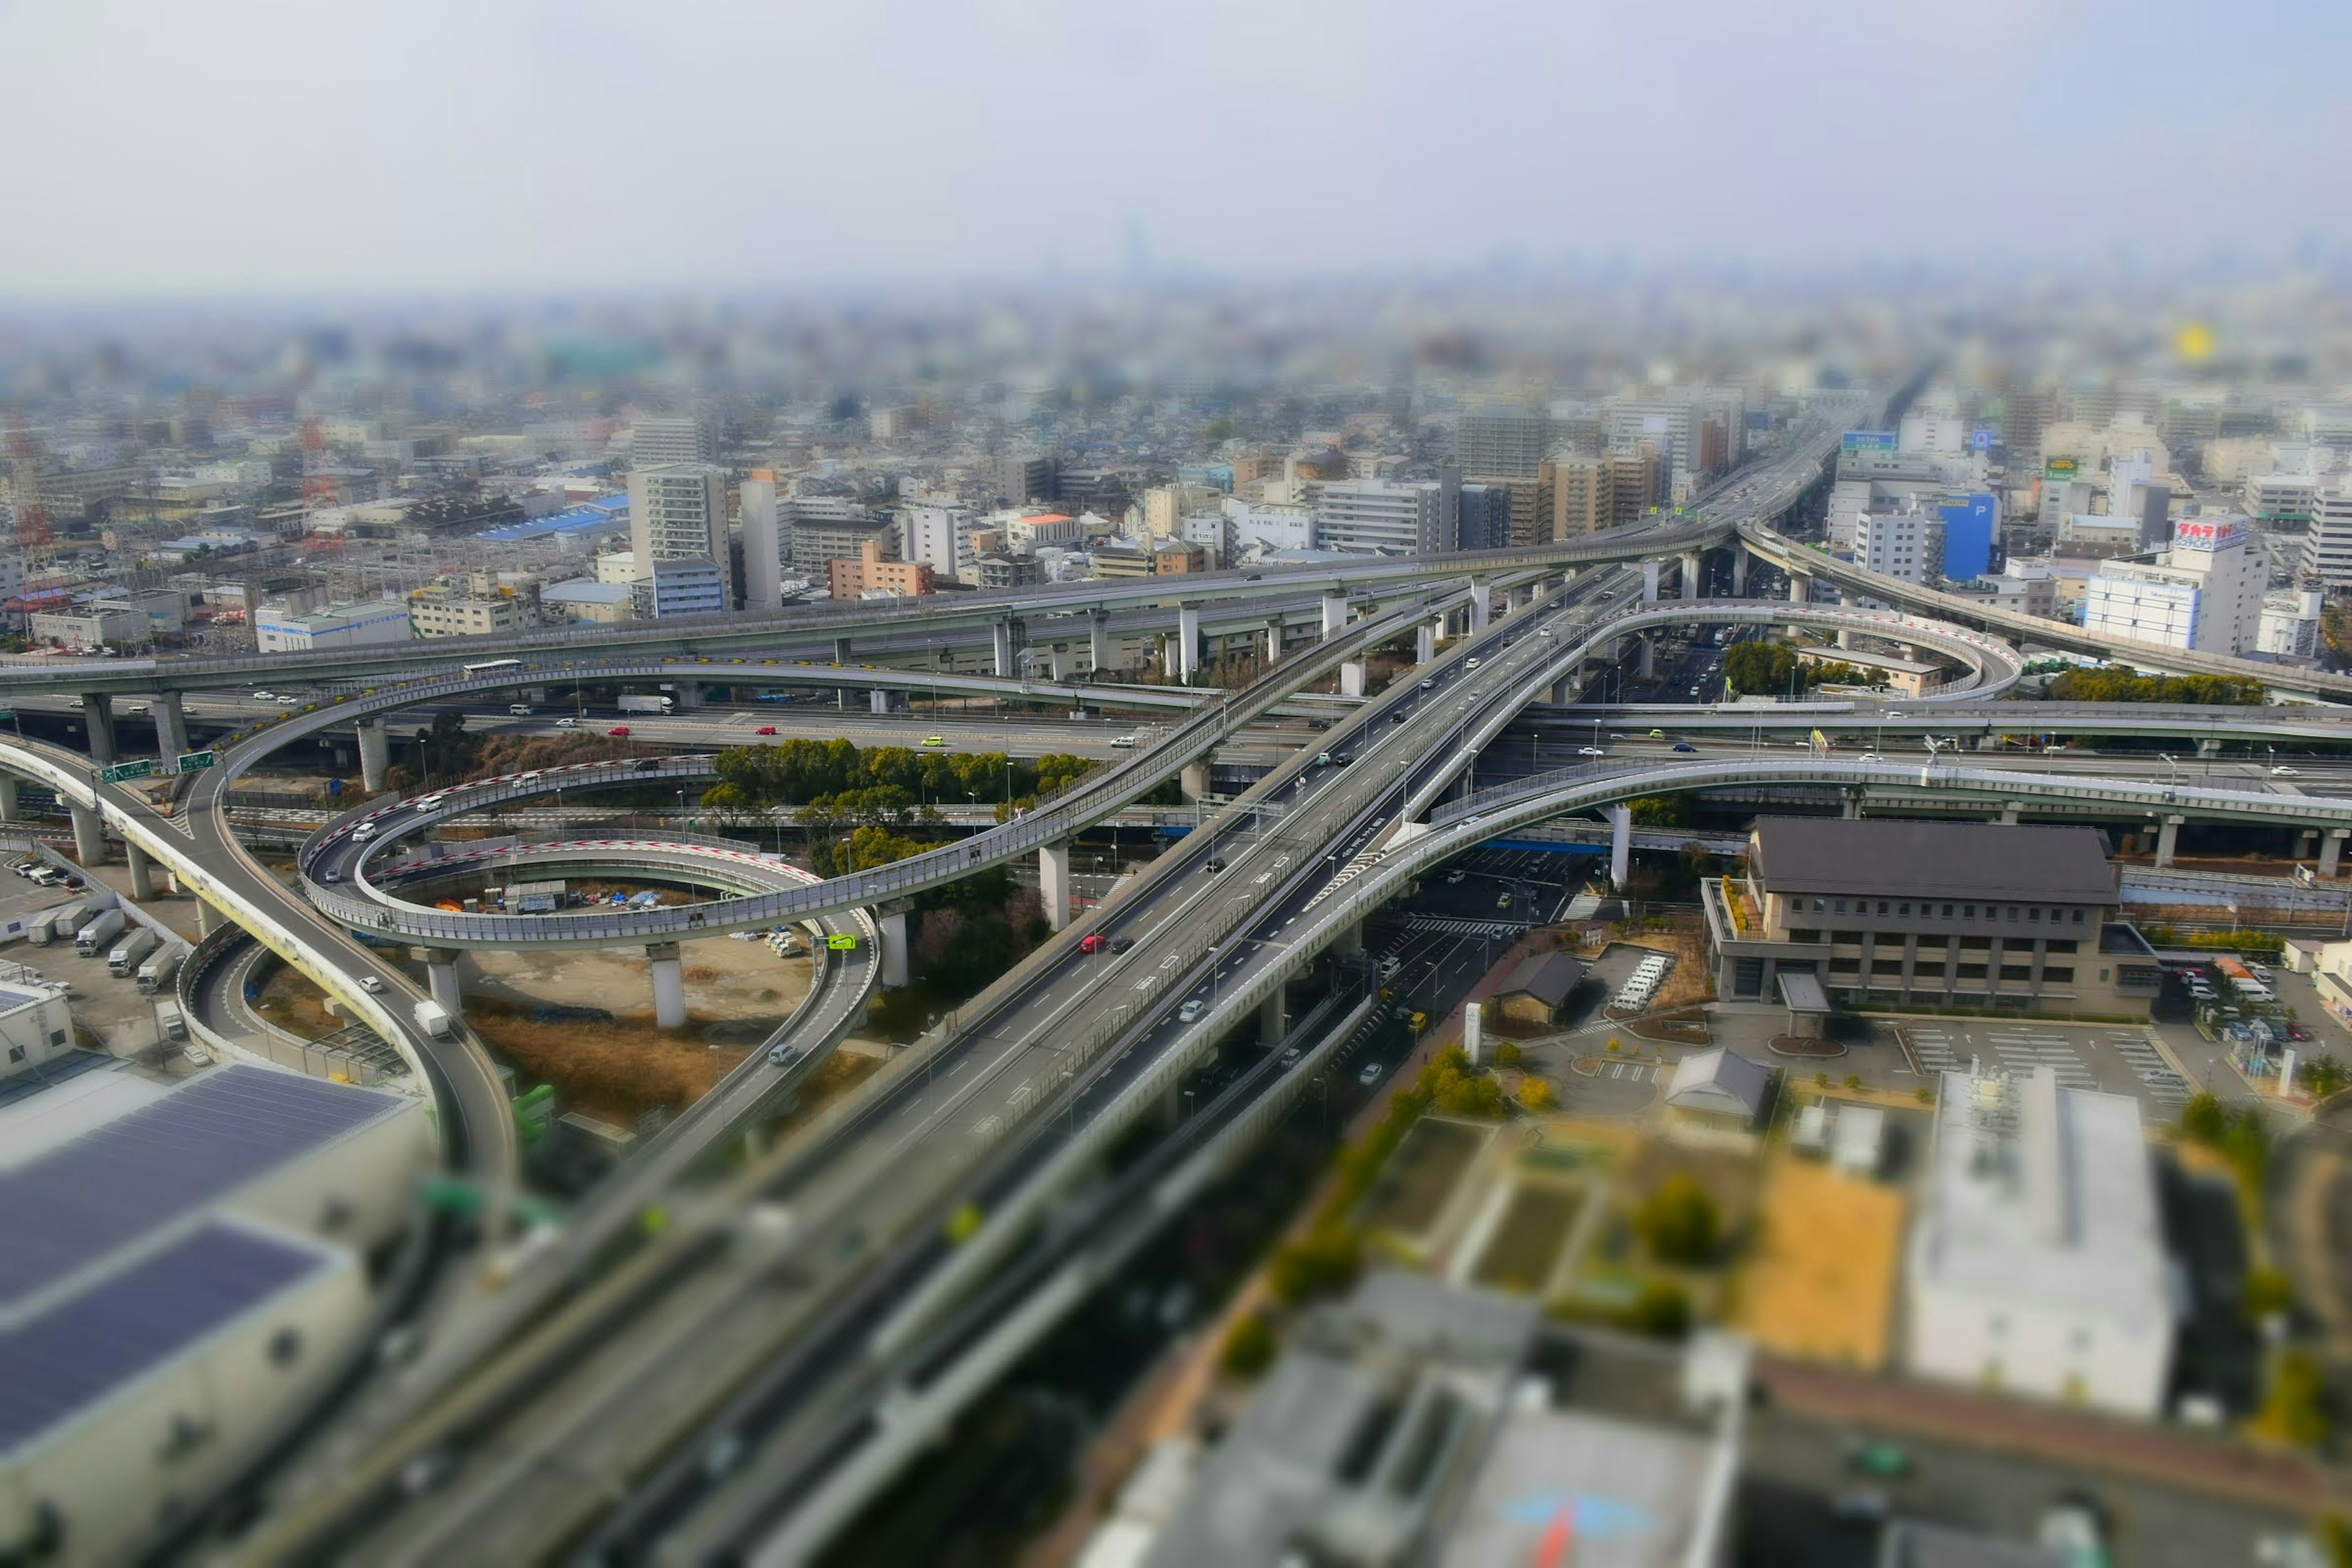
{"type": "Point", "coordinates": [61, 923]}
{"type": "Point", "coordinates": [129, 953]}
{"type": "Point", "coordinates": [155, 974]}
{"type": "Point", "coordinates": [633, 703]}
{"type": "Point", "coordinates": [175, 1026]}
{"type": "Point", "coordinates": [435, 1020]}
{"type": "Point", "coordinates": [99, 934]}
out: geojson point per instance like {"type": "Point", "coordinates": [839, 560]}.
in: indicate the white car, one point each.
{"type": "Point", "coordinates": [2283, 772]}
{"type": "Point", "coordinates": [370, 983]}
{"type": "Point", "coordinates": [1190, 1011]}
{"type": "Point", "coordinates": [1122, 741]}
{"type": "Point", "coordinates": [1370, 1075]}
{"type": "Point", "coordinates": [567, 723]}
{"type": "Point", "coordinates": [1590, 752]}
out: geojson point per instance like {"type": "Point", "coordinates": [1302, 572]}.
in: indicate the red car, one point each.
{"type": "Point", "coordinates": [1094, 943]}
{"type": "Point", "coordinates": [765, 730]}
{"type": "Point", "coordinates": [620, 731]}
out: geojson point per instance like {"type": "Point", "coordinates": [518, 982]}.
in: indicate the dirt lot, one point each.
{"type": "Point", "coordinates": [1525, 1244]}
{"type": "Point", "coordinates": [1688, 979]}
{"type": "Point", "coordinates": [1412, 1188]}
{"type": "Point", "coordinates": [1821, 1282]}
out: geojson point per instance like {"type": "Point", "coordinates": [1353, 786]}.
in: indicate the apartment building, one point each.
{"type": "Point", "coordinates": [2327, 547]}
{"type": "Point", "coordinates": [1588, 494]}
{"type": "Point", "coordinates": [678, 511]}
{"type": "Point", "coordinates": [1498, 440]}
{"type": "Point", "coordinates": [1969, 916]}
{"type": "Point", "coordinates": [874, 573]}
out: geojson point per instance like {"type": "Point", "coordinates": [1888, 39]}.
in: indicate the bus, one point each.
{"type": "Point", "coordinates": [493, 667]}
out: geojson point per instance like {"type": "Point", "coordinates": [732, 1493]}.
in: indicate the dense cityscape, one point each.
{"type": "Point", "coordinates": [1598, 903]}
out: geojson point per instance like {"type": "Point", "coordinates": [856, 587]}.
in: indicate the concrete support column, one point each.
{"type": "Point", "coordinates": [171, 724]}
{"type": "Point", "coordinates": [2012, 813]}
{"type": "Point", "coordinates": [1800, 589]}
{"type": "Point", "coordinates": [2331, 850]}
{"type": "Point", "coordinates": [143, 872]}
{"type": "Point", "coordinates": [1620, 845]}
{"type": "Point", "coordinates": [441, 979]}
{"type": "Point", "coordinates": [893, 928]}
{"type": "Point", "coordinates": [1062, 665]}
{"type": "Point", "coordinates": [877, 700]}
{"type": "Point", "coordinates": [1563, 690]}
{"type": "Point", "coordinates": [1351, 939]}
{"type": "Point", "coordinates": [1335, 614]}
{"type": "Point", "coordinates": [2167, 838]}
{"type": "Point", "coordinates": [1054, 883]}
{"type": "Point", "coordinates": [9, 810]}
{"type": "Point", "coordinates": [1274, 641]}
{"type": "Point", "coordinates": [1194, 782]}
{"type": "Point", "coordinates": [1691, 565]}
{"type": "Point", "coordinates": [1849, 804]}
{"type": "Point", "coordinates": [669, 986]}
{"type": "Point", "coordinates": [208, 919]}
{"type": "Point", "coordinates": [686, 696]}
{"type": "Point", "coordinates": [98, 714]}
{"type": "Point", "coordinates": [1098, 639]}
{"type": "Point", "coordinates": [90, 835]}
{"type": "Point", "coordinates": [841, 653]}
{"type": "Point", "coordinates": [1352, 678]}
{"type": "Point", "coordinates": [1424, 642]}
{"type": "Point", "coordinates": [1481, 609]}
{"type": "Point", "coordinates": [1000, 637]}
{"type": "Point", "coordinates": [1649, 582]}
{"type": "Point", "coordinates": [1738, 573]}
{"type": "Point", "coordinates": [375, 754]}
{"type": "Point", "coordinates": [1649, 666]}
{"type": "Point", "coordinates": [1845, 636]}
{"type": "Point", "coordinates": [1167, 658]}
{"type": "Point", "coordinates": [1188, 641]}
{"type": "Point", "coordinates": [1272, 1024]}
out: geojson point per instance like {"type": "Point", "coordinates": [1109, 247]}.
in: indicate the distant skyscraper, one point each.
{"type": "Point", "coordinates": [1500, 440]}
{"type": "Point", "coordinates": [678, 511]}
{"type": "Point", "coordinates": [667, 440]}
{"type": "Point", "coordinates": [762, 541]}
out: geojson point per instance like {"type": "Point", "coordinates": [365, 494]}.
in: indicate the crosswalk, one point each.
{"type": "Point", "coordinates": [1451, 925]}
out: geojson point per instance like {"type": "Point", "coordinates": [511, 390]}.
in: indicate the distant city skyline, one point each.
{"type": "Point", "coordinates": [234, 149]}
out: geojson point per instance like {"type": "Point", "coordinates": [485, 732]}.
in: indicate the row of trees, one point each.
{"type": "Point", "coordinates": [1766, 668]}
{"type": "Point", "coordinates": [802, 772]}
{"type": "Point", "coordinates": [2124, 686]}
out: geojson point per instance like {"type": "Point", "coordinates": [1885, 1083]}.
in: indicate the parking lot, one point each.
{"type": "Point", "coordinates": [2117, 1059]}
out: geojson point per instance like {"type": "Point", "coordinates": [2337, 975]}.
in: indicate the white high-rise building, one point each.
{"type": "Point", "coordinates": [763, 573]}
{"type": "Point", "coordinates": [678, 511]}
{"type": "Point", "coordinates": [2206, 596]}
{"type": "Point", "coordinates": [1904, 544]}
{"type": "Point", "coordinates": [2327, 545]}
{"type": "Point", "coordinates": [1379, 516]}
{"type": "Point", "coordinates": [655, 442]}
{"type": "Point", "coordinates": [939, 536]}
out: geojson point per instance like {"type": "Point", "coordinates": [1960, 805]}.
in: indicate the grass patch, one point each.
{"type": "Point", "coordinates": [616, 1070]}
{"type": "Point", "coordinates": [1410, 1190]}
{"type": "Point", "coordinates": [1525, 1244]}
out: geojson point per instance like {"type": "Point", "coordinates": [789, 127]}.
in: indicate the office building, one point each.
{"type": "Point", "coordinates": [995, 570]}
{"type": "Point", "coordinates": [666, 442]}
{"type": "Point", "coordinates": [1971, 527]}
{"type": "Point", "coordinates": [837, 533]}
{"type": "Point", "coordinates": [1268, 527]}
{"type": "Point", "coordinates": [583, 601]}
{"type": "Point", "coordinates": [2205, 596]}
{"type": "Point", "coordinates": [335, 625]}
{"type": "Point", "coordinates": [188, 1270]}
{"type": "Point", "coordinates": [1028, 476]}
{"type": "Point", "coordinates": [1666, 422]}
{"type": "Point", "coordinates": [2289, 628]}
{"type": "Point", "coordinates": [475, 609]}
{"type": "Point", "coordinates": [2023, 590]}
{"type": "Point", "coordinates": [874, 575]}
{"type": "Point", "coordinates": [678, 513]}
{"type": "Point", "coordinates": [940, 536]}
{"type": "Point", "coordinates": [1380, 517]}
{"type": "Point", "coordinates": [759, 509]}
{"type": "Point", "coordinates": [1883, 912]}
{"type": "Point", "coordinates": [684, 585]}
{"type": "Point", "coordinates": [1904, 544]}
{"type": "Point", "coordinates": [2282, 501]}
{"type": "Point", "coordinates": [1482, 517]}
{"type": "Point", "coordinates": [2036, 1262]}
{"type": "Point", "coordinates": [1501, 440]}
{"type": "Point", "coordinates": [2328, 546]}
{"type": "Point", "coordinates": [84, 631]}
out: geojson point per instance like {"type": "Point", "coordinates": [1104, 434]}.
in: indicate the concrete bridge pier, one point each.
{"type": "Point", "coordinates": [1649, 582]}
{"type": "Point", "coordinates": [1001, 639]}
{"type": "Point", "coordinates": [1054, 882]}
{"type": "Point", "coordinates": [1845, 636]}
{"type": "Point", "coordinates": [1059, 662]}
{"type": "Point", "coordinates": [877, 700]}
{"type": "Point", "coordinates": [687, 695]}
{"type": "Point", "coordinates": [1800, 589]}
{"type": "Point", "coordinates": [2012, 811]}
{"type": "Point", "coordinates": [1563, 690]}
{"type": "Point", "coordinates": [2167, 838]}
{"type": "Point", "coordinates": [441, 979]}
{"type": "Point", "coordinates": [1351, 678]}
{"type": "Point", "coordinates": [1194, 782]}
{"type": "Point", "coordinates": [1099, 639]}
{"type": "Point", "coordinates": [2211, 746]}
{"type": "Point", "coordinates": [98, 715]}
{"type": "Point", "coordinates": [1482, 608]}
{"type": "Point", "coordinates": [1351, 938]}
{"type": "Point", "coordinates": [2331, 850]}
{"type": "Point", "coordinates": [890, 922]}
{"type": "Point", "coordinates": [208, 920]}
{"type": "Point", "coordinates": [1649, 649]}
{"type": "Point", "coordinates": [1692, 563]}
{"type": "Point", "coordinates": [1335, 614]}
{"type": "Point", "coordinates": [1168, 662]}
{"type": "Point", "coordinates": [1738, 573]}
{"type": "Point", "coordinates": [1272, 1023]}
{"type": "Point", "coordinates": [375, 754]}
{"type": "Point", "coordinates": [1620, 845]}
{"type": "Point", "coordinates": [90, 835]}
{"type": "Point", "coordinates": [143, 872]}
{"type": "Point", "coordinates": [669, 986]}
{"type": "Point", "coordinates": [1424, 642]}
{"type": "Point", "coordinates": [1188, 641]}
{"type": "Point", "coordinates": [1849, 804]}
{"type": "Point", "coordinates": [170, 712]}
{"type": "Point", "coordinates": [9, 810]}
{"type": "Point", "coordinates": [843, 696]}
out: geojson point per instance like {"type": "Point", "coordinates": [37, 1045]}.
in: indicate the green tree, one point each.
{"type": "Point", "coordinates": [2265, 1293]}
{"type": "Point", "coordinates": [2295, 1410]}
{"type": "Point", "coordinates": [1662, 1309]}
{"type": "Point", "coordinates": [1535, 1095]}
{"type": "Point", "coordinates": [1506, 1055]}
{"type": "Point", "coordinates": [1661, 810]}
{"type": "Point", "coordinates": [1324, 1262]}
{"type": "Point", "coordinates": [1249, 1348]}
{"type": "Point", "coordinates": [1679, 1222]}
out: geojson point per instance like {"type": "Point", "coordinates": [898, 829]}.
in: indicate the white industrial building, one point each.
{"type": "Point", "coordinates": [35, 1022]}
{"type": "Point", "coordinates": [1376, 517]}
{"type": "Point", "coordinates": [185, 1269]}
{"type": "Point", "coordinates": [2290, 623]}
{"type": "Point", "coordinates": [939, 537]}
{"type": "Point", "coordinates": [1908, 545]}
{"type": "Point", "coordinates": [335, 625]}
{"type": "Point", "coordinates": [2327, 545]}
{"type": "Point", "coordinates": [2206, 595]}
{"type": "Point", "coordinates": [2037, 1262]}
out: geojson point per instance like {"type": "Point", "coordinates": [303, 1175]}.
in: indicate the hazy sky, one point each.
{"type": "Point", "coordinates": [233, 145]}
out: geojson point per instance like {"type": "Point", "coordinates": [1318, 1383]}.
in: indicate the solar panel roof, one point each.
{"type": "Point", "coordinates": [142, 1171]}
{"type": "Point", "coordinates": [79, 1351]}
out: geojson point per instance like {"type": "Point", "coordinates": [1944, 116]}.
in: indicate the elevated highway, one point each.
{"type": "Point", "coordinates": [1969, 717]}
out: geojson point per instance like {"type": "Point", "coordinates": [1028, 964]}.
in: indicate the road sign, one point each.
{"type": "Point", "coordinates": [197, 762]}
{"type": "Point", "coordinates": [141, 768]}
{"type": "Point", "coordinates": [842, 943]}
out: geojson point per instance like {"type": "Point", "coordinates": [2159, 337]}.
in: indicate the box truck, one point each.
{"type": "Point", "coordinates": [434, 1019]}
{"type": "Point", "coordinates": [99, 934]}
{"type": "Point", "coordinates": [155, 974]}
{"type": "Point", "coordinates": [129, 953]}
{"type": "Point", "coordinates": [635, 704]}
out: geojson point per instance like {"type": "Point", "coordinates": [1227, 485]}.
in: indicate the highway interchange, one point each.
{"type": "Point", "coordinates": [771, 1367]}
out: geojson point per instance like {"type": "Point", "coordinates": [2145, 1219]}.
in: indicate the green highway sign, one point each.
{"type": "Point", "coordinates": [141, 768]}
{"type": "Point", "coordinates": [197, 762]}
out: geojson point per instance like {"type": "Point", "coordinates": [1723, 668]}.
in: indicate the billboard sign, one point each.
{"type": "Point", "coordinates": [1867, 441]}
{"type": "Point", "coordinates": [2215, 533]}
{"type": "Point", "coordinates": [1982, 440]}
{"type": "Point", "coordinates": [2060, 469]}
